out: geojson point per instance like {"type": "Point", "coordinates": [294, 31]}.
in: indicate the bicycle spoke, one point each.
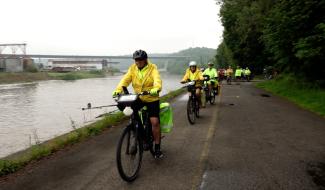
{"type": "Point", "coordinates": [129, 155]}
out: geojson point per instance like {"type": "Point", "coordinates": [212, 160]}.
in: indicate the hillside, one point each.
{"type": "Point", "coordinates": [199, 54]}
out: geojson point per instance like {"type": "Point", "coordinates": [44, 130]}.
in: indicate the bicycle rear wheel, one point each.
{"type": "Point", "coordinates": [212, 97]}
{"type": "Point", "coordinates": [149, 138]}
{"type": "Point", "coordinates": [190, 111]}
{"type": "Point", "coordinates": [129, 154]}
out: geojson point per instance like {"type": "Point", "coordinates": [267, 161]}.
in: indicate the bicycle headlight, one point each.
{"type": "Point", "coordinates": [191, 83]}
{"type": "Point", "coordinates": [128, 111]}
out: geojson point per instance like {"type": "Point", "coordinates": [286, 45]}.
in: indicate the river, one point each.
{"type": "Point", "coordinates": [39, 111]}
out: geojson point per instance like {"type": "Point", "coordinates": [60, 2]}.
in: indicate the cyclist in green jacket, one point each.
{"type": "Point", "coordinates": [238, 73]}
{"type": "Point", "coordinates": [213, 74]}
{"type": "Point", "coordinates": [247, 74]}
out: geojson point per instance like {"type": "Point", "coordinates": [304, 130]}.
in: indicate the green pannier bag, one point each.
{"type": "Point", "coordinates": [166, 118]}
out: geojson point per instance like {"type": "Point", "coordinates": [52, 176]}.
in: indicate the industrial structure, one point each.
{"type": "Point", "coordinates": [9, 62]}
{"type": "Point", "coordinates": [65, 65]}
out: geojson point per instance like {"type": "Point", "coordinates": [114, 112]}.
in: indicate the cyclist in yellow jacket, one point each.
{"type": "Point", "coordinates": [193, 73]}
{"type": "Point", "coordinates": [229, 72]}
{"type": "Point", "coordinates": [145, 76]}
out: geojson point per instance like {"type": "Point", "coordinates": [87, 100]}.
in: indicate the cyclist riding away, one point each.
{"type": "Point", "coordinates": [238, 73]}
{"type": "Point", "coordinates": [229, 73]}
{"type": "Point", "coordinates": [213, 74]}
{"type": "Point", "coordinates": [145, 76]}
{"type": "Point", "coordinates": [193, 73]}
{"type": "Point", "coordinates": [247, 73]}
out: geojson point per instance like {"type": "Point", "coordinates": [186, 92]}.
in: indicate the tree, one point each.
{"type": "Point", "coordinates": [294, 34]}
{"type": "Point", "coordinates": [288, 34]}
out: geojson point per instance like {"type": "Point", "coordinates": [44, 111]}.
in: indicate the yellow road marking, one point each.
{"type": "Point", "coordinates": [206, 148]}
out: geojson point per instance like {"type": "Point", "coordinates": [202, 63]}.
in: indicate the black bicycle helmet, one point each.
{"type": "Point", "coordinates": [140, 54]}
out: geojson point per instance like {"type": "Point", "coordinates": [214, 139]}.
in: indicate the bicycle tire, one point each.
{"type": "Point", "coordinates": [129, 178]}
{"type": "Point", "coordinates": [197, 108]}
{"type": "Point", "coordinates": [150, 139]}
{"type": "Point", "coordinates": [212, 98]}
{"type": "Point", "coordinates": [190, 113]}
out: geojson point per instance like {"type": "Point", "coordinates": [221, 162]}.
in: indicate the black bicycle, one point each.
{"type": "Point", "coordinates": [193, 108]}
{"type": "Point", "coordinates": [210, 95]}
{"type": "Point", "coordinates": [136, 137]}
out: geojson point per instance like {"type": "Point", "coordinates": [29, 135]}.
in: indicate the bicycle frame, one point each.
{"type": "Point", "coordinates": [141, 123]}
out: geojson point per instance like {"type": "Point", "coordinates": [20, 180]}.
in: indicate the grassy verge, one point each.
{"type": "Point", "coordinates": [17, 161]}
{"type": "Point", "coordinates": [303, 94]}
{"type": "Point", "coordinates": [77, 75]}
{"type": "Point", "coordinates": [7, 78]}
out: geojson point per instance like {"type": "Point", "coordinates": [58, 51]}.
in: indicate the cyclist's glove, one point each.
{"type": "Point", "coordinates": [116, 93]}
{"type": "Point", "coordinates": [154, 92]}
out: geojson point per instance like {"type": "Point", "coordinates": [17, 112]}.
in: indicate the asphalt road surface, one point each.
{"type": "Point", "coordinates": [246, 141]}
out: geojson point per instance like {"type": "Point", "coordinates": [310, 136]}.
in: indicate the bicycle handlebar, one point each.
{"type": "Point", "coordinates": [89, 107]}
{"type": "Point", "coordinates": [126, 92]}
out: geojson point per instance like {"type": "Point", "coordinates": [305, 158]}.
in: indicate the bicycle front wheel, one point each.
{"type": "Point", "coordinates": [196, 106]}
{"type": "Point", "coordinates": [129, 154]}
{"type": "Point", "coordinates": [213, 98]}
{"type": "Point", "coordinates": [190, 112]}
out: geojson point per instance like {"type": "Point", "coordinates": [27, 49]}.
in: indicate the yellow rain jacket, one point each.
{"type": "Point", "coordinates": [229, 72]}
{"type": "Point", "coordinates": [142, 80]}
{"type": "Point", "coordinates": [197, 76]}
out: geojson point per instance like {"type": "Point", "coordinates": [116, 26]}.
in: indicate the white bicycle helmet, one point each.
{"type": "Point", "coordinates": [192, 63]}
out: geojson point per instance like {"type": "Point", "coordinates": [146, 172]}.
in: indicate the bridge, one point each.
{"type": "Point", "coordinates": [16, 62]}
{"type": "Point", "coordinates": [41, 56]}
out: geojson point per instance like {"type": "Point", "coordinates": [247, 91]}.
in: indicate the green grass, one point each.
{"type": "Point", "coordinates": [77, 75]}
{"type": "Point", "coordinates": [6, 78]}
{"type": "Point", "coordinates": [304, 94]}
{"type": "Point", "coordinates": [172, 95]}
{"type": "Point", "coordinates": [17, 161]}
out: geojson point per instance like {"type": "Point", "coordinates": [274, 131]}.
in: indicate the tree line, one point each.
{"type": "Point", "coordinates": [286, 34]}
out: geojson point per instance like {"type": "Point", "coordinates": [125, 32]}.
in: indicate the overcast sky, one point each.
{"type": "Point", "coordinates": [110, 27]}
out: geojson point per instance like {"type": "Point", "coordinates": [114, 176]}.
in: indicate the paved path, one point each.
{"type": "Point", "coordinates": [246, 141]}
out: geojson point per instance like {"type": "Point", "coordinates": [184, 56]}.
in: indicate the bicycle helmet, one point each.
{"type": "Point", "coordinates": [140, 54]}
{"type": "Point", "coordinates": [192, 63]}
{"type": "Point", "coordinates": [210, 63]}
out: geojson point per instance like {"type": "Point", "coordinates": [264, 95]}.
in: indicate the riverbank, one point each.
{"type": "Point", "coordinates": [17, 161]}
{"type": "Point", "coordinates": [303, 94]}
{"type": "Point", "coordinates": [9, 78]}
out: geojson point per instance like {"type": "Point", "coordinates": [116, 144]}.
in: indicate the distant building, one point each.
{"type": "Point", "coordinates": [75, 65]}
{"type": "Point", "coordinates": [11, 65]}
